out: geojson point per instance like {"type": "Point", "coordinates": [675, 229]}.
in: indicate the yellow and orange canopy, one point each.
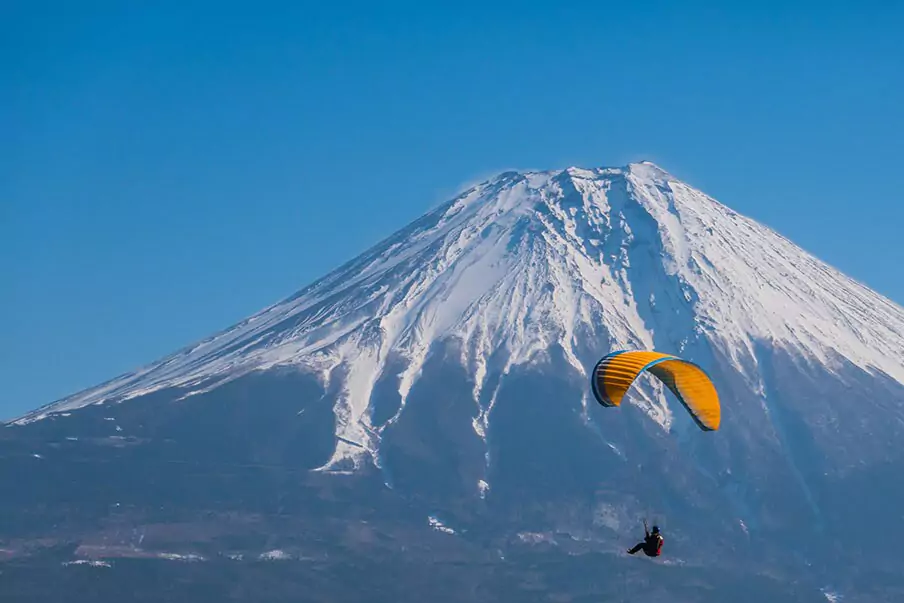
{"type": "Point", "coordinates": [614, 374]}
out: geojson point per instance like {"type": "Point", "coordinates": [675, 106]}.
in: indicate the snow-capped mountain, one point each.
{"type": "Point", "coordinates": [453, 361]}
{"type": "Point", "coordinates": [587, 260]}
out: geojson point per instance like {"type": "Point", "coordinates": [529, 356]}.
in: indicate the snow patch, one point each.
{"type": "Point", "coordinates": [189, 557]}
{"type": "Point", "coordinates": [438, 525]}
{"type": "Point", "coordinates": [483, 487]}
{"type": "Point", "coordinates": [831, 596]}
{"type": "Point", "coordinates": [89, 562]}
{"type": "Point", "coordinates": [536, 537]}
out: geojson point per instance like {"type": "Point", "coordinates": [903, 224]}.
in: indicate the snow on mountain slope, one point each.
{"type": "Point", "coordinates": [586, 260]}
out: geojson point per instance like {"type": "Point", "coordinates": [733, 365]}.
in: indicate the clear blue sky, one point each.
{"type": "Point", "coordinates": [169, 168]}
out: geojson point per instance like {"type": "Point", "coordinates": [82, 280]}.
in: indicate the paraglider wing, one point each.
{"type": "Point", "coordinates": [614, 374]}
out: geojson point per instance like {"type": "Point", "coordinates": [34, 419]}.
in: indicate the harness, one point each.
{"type": "Point", "coordinates": [658, 541]}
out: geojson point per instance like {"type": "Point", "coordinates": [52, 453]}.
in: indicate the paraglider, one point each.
{"type": "Point", "coordinates": [613, 375]}
{"type": "Point", "coordinates": [651, 544]}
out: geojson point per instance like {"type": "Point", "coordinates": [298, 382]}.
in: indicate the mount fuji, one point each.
{"type": "Point", "coordinates": [421, 419]}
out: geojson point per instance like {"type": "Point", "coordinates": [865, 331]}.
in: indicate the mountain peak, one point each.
{"type": "Point", "coordinates": [639, 169]}
{"type": "Point", "coordinates": [648, 169]}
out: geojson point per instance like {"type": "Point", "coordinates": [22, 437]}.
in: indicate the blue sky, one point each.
{"type": "Point", "coordinates": [172, 167]}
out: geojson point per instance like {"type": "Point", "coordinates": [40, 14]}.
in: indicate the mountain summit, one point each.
{"type": "Point", "coordinates": [453, 359]}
